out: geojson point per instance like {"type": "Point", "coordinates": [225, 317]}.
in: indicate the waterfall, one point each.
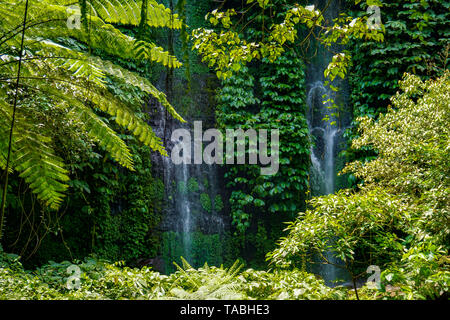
{"type": "Point", "coordinates": [325, 137]}
{"type": "Point", "coordinates": [193, 222]}
{"type": "Point", "coordinates": [184, 209]}
{"type": "Point", "coordinates": [323, 155]}
{"type": "Point", "coordinates": [326, 126]}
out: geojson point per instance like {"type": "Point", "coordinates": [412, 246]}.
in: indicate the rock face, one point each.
{"type": "Point", "coordinates": [194, 193]}
{"type": "Point", "coordinates": [156, 263]}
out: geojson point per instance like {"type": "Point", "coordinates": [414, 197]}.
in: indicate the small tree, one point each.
{"type": "Point", "coordinates": [56, 58]}
{"type": "Point", "coordinates": [403, 202]}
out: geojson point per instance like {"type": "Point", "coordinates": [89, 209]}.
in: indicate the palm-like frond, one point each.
{"type": "Point", "coordinates": [137, 81]}
{"type": "Point", "coordinates": [59, 63]}
{"type": "Point", "coordinates": [149, 51]}
{"type": "Point", "coordinates": [33, 157]}
{"type": "Point", "coordinates": [129, 12]}
{"type": "Point", "coordinates": [208, 283]}
{"type": "Point", "coordinates": [94, 126]}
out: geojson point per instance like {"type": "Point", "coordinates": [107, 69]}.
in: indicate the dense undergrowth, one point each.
{"type": "Point", "coordinates": [100, 279]}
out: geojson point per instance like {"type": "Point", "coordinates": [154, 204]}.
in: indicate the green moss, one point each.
{"type": "Point", "coordinates": [218, 203]}
{"type": "Point", "coordinates": [192, 185]}
{"type": "Point", "coordinates": [205, 183]}
{"type": "Point", "coordinates": [205, 202]}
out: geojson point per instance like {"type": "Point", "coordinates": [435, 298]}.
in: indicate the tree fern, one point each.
{"type": "Point", "coordinates": [96, 128]}
{"type": "Point", "coordinates": [59, 64]}
{"type": "Point", "coordinates": [129, 12]}
{"type": "Point", "coordinates": [38, 165]}
{"type": "Point", "coordinates": [207, 282]}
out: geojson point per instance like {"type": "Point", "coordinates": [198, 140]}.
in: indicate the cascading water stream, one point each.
{"type": "Point", "coordinates": [323, 153]}
{"type": "Point", "coordinates": [193, 222]}
{"type": "Point", "coordinates": [185, 212]}
{"type": "Point", "coordinates": [326, 125]}
{"type": "Point", "coordinates": [324, 134]}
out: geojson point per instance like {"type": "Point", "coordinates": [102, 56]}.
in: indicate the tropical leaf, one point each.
{"type": "Point", "coordinates": [33, 157]}
{"type": "Point", "coordinates": [129, 12]}
{"type": "Point", "coordinates": [60, 64]}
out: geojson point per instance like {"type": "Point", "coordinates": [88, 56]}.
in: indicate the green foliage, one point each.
{"type": "Point", "coordinates": [9, 260]}
{"type": "Point", "coordinates": [20, 285]}
{"type": "Point", "coordinates": [412, 140]}
{"type": "Point", "coordinates": [205, 202]}
{"type": "Point", "coordinates": [110, 212]}
{"type": "Point", "coordinates": [206, 282]}
{"type": "Point", "coordinates": [181, 7]}
{"type": "Point", "coordinates": [364, 227]}
{"type": "Point", "coordinates": [286, 285]}
{"type": "Point", "coordinates": [61, 66]}
{"type": "Point", "coordinates": [399, 218]}
{"type": "Point", "coordinates": [81, 88]}
{"type": "Point", "coordinates": [236, 98]}
{"type": "Point", "coordinates": [269, 94]}
{"type": "Point", "coordinates": [98, 280]}
{"type": "Point", "coordinates": [283, 107]}
{"type": "Point", "coordinates": [192, 185]}
{"type": "Point", "coordinates": [216, 249]}
{"type": "Point", "coordinates": [124, 220]}
{"type": "Point", "coordinates": [171, 249]}
{"type": "Point", "coordinates": [218, 203]}
{"type": "Point", "coordinates": [422, 273]}
{"type": "Point", "coordinates": [129, 13]}
{"type": "Point", "coordinates": [101, 280]}
{"type": "Point", "coordinates": [416, 41]}
{"type": "Point", "coordinates": [226, 49]}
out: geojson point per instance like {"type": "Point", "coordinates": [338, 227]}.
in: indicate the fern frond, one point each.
{"type": "Point", "coordinates": [234, 269]}
{"type": "Point", "coordinates": [104, 36]}
{"type": "Point", "coordinates": [107, 102]}
{"type": "Point", "coordinates": [186, 265]}
{"type": "Point", "coordinates": [135, 80]}
{"type": "Point", "coordinates": [41, 168]}
{"type": "Point", "coordinates": [35, 160]}
{"type": "Point", "coordinates": [184, 270]}
{"type": "Point", "coordinates": [98, 130]}
{"type": "Point", "coordinates": [57, 65]}
{"type": "Point", "coordinates": [128, 12]}
{"type": "Point", "coordinates": [105, 136]}
{"type": "Point", "coordinates": [74, 62]}
{"type": "Point", "coordinates": [127, 119]}
{"type": "Point", "coordinates": [208, 283]}
{"type": "Point", "coordinates": [148, 51]}
{"type": "Point", "coordinates": [5, 123]}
